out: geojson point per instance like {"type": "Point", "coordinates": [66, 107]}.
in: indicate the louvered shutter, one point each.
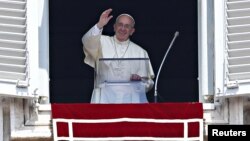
{"type": "Point", "coordinates": [13, 51]}
{"type": "Point", "coordinates": [237, 62]}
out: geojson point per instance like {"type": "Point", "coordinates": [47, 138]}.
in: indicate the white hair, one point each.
{"type": "Point", "coordinates": [124, 14]}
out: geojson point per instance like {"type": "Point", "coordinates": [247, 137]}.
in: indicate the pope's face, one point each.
{"type": "Point", "coordinates": [124, 28]}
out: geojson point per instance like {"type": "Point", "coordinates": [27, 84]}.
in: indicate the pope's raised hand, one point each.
{"type": "Point", "coordinates": [104, 18]}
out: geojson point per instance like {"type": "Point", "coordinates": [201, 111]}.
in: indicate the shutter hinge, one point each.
{"type": "Point", "coordinates": [22, 84]}
{"type": "Point", "coordinates": [232, 85]}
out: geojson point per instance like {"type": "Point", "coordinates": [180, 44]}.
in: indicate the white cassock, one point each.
{"type": "Point", "coordinates": [96, 46]}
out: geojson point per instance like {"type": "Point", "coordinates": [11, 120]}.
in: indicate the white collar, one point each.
{"type": "Point", "coordinates": [119, 42]}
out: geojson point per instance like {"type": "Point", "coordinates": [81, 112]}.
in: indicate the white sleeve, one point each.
{"type": "Point", "coordinates": [92, 32]}
{"type": "Point", "coordinates": [91, 45]}
{"type": "Point", "coordinates": [148, 84]}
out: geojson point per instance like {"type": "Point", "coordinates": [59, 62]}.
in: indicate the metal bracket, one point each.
{"type": "Point", "coordinates": [232, 85]}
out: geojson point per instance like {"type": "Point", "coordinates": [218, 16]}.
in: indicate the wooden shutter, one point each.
{"type": "Point", "coordinates": [237, 62]}
{"type": "Point", "coordinates": [13, 51]}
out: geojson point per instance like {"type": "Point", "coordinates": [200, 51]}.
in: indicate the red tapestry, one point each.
{"type": "Point", "coordinates": [155, 111]}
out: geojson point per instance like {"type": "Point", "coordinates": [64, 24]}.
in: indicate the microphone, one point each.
{"type": "Point", "coordinates": [156, 81]}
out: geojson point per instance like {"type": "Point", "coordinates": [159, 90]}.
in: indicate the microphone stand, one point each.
{"type": "Point", "coordinates": [156, 81]}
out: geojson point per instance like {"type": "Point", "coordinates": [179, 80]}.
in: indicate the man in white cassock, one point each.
{"type": "Point", "coordinates": [98, 47]}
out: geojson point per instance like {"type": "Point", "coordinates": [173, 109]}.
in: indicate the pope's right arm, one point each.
{"type": "Point", "coordinates": [91, 40]}
{"type": "Point", "coordinates": [91, 45]}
